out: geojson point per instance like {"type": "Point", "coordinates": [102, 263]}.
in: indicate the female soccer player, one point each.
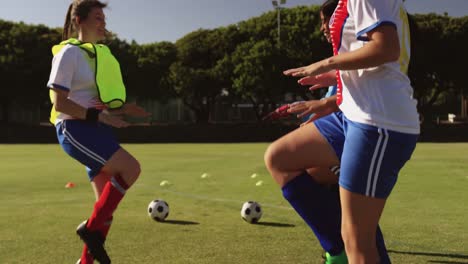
{"type": "Point", "coordinates": [377, 130]}
{"type": "Point", "coordinates": [85, 83]}
{"type": "Point", "coordinates": [316, 199]}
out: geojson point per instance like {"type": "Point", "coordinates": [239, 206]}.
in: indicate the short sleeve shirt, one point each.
{"type": "Point", "coordinates": [381, 96]}
{"type": "Point", "coordinates": [73, 71]}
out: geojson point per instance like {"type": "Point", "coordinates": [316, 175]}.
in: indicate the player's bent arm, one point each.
{"type": "Point", "coordinates": [64, 105]}
{"type": "Point", "coordinates": [383, 47]}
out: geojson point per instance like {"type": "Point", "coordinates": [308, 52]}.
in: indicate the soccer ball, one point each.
{"type": "Point", "coordinates": [251, 212]}
{"type": "Point", "coordinates": [158, 210]}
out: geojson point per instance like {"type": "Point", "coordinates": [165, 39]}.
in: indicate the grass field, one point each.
{"type": "Point", "coordinates": [425, 221]}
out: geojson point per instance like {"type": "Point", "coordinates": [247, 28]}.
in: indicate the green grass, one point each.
{"type": "Point", "coordinates": [425, 221]}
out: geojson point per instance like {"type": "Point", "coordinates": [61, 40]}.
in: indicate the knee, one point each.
{"type": "Point", "coordinates": [352, 246]}
{"type": "Point", "coordinates": [348, 237]}
{"type": "Point", "coordinates": [133, 169]}
{"type": "Point", "coordinates": [358, 240]}
{"type": "Point", "coordinates": [271, 157]}
{"type": "Point", "coordinates": [136, 170]}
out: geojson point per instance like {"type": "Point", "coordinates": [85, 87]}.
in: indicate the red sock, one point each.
{"type": "Point", "coordinates": [112, 194]}
{"type": "Point", "coordinates": [105, 228]}
{"type": "Point", "coordinates": [86, 257]}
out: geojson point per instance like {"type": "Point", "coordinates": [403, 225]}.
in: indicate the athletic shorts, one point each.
{"type": "Point", "coordinates": [92, 144]}
{"type": "Point", "coordinates": [370, 157]}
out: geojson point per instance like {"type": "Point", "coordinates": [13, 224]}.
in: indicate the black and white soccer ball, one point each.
{"type": "Point", "coordinates": [158, 210]}
{"type": "Point", "coordinates": [251, 212]}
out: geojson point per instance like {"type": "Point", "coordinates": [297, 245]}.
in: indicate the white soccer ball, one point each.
{"type": "Point", "coordinates": [158, 210]}
{"type": "Point", "coordinates": [251, 212]}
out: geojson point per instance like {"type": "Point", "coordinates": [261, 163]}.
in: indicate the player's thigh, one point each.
{"type": "Point", "coordinates": [301, 149]}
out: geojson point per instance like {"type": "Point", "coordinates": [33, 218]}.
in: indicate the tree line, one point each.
{"type": "Point", "coordinates": [240, 63]}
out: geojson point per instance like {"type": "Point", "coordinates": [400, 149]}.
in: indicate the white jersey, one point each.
{"type": "Point", "coordinates": [381, 96]}
{"type": "Point", "coordinates": [73, 71]}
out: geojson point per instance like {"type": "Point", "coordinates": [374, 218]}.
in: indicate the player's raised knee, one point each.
{"type": "Point", "coordinates": [136, 168]}
{"type": "Point", "coordinates": [132, 170]}
{"type": "Point", "coordinates": [271, 156]}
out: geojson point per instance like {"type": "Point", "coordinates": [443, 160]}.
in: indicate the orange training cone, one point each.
{"type": "Point", "coordinates": [69, 185]}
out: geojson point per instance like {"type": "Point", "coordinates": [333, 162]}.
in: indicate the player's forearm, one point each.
{"type": "Point", "coordinates": [371, 55]}
{"type": "Point", "coordinates": [64, 105]}
{"type": "Point", "coordinates": [383, 47]}
{"type": "Point", "coordinates": [331, 102]}
{"type": "Point", "coordinates": [67, 106]}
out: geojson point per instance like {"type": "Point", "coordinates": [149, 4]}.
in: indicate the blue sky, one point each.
{"type": "Point", "coordinates": [148, 21]}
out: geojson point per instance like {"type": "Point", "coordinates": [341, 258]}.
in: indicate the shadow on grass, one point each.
{"type": "Point", "coordinates": [179, 222]}
{"type": "Point", "coordinates": [432, 254]}
{"type": "Point", "coordinates": [274, 224]}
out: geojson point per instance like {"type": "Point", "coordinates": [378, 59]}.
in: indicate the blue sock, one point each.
{"type": "Point", "coordinates": [381, 248]}
{"type": "Point", "coordinates": [319, 207]}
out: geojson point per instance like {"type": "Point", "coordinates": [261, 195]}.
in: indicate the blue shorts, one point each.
{"type": "Point", "coordinates": [370, 157]}
{"type": "Point", "coordinates": [90, 144]}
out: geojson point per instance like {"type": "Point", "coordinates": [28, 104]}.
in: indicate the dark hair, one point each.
{"type": "Point", "coordinates": [81, 9]}
{"type": "Point", "coordinates": [328, 7]}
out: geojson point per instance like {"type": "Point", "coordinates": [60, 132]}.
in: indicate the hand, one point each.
{"type": "Point", "coordinates": [131, 109]}
{"type": "Point", "coordinates": [319, 108]}
{"type": "Point", "coordinates": [311, 70]}
{"type": "Point", "coordinates": [319, 81]}
{"type": "Point", "coordinates": [112, 120]}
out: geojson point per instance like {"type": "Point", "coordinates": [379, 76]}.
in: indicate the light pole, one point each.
{"type": "Point", "coordinates": [277, 4]}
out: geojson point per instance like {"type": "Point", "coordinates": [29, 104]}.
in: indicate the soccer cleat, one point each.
{"type": "Point", "coordinates": [338, 259]}
{"type": "Point", "coordinates": [95, 242]}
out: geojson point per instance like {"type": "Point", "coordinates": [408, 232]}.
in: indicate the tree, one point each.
{"type": "Point", "coordinates": [259, 62]}
{"type": "Point", "coordinates": [257, 75]}
{"type": "Point", "coordinates": [25, 59]}
{"type": "Point", "coordinates": [150, 77]}
{"type": "Point", "coordinates": [438, 59]}
{"type": "Point", "coordinates": [200, 73]}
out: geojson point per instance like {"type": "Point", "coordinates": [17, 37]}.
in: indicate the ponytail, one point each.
{"type": "Point", "coordinates": [67, 27]}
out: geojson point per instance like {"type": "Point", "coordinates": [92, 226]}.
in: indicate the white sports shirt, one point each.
{"type": "Point", "coordinates": [381, 96]}
{"type": "Point", "coordinates": [73, 71]}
